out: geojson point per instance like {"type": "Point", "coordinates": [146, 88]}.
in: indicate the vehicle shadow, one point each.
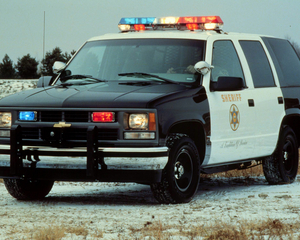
{"type": "Point", "coordinates": [126, 194]}
{"type": "Point", "coordinates": [110, 195]}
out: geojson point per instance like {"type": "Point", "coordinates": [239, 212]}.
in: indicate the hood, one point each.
{"type": "Point", "coordinates": [99, 95]}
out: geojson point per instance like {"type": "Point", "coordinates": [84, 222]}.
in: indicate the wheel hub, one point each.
{"type": "Point", "coordinates": [285, 155]}
{"type": "Point", "coordinates": [178, 170]}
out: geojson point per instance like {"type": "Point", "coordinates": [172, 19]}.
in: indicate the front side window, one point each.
{"type": "Point", "coordinates": [225, 61]}
{"type": "Point", "coordinates": [111, 60]}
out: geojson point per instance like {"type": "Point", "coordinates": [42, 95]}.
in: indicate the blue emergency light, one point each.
{"type": "Point", "coordinates": [135, 24]}
{"type": "Point", "coordinates": [145, 20]}
{"type": "Point", "coordinates": [27, 115]}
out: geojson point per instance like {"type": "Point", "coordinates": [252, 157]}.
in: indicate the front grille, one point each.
{"type": "Point", "coordinates": [77, 116]}
{"type": "Point", "coordinates": [30, 133]}
{"type": "Point", "coordinates": [51, 134]}
{"type": "Point", "coordinates": [66, 116]}
{"type": "Point", "coordinates": [51, 116]}
{"type": "Point", "coordinates": [81, 134]}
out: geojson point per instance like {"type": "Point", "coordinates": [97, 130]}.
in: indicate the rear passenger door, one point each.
{"type": "Point", "coordinates": [267, 96]}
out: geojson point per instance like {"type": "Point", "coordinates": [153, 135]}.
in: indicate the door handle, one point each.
{"type": "Point", "coordinates": [251, 102]}
{"type": "Point", "coordinates": [280, 100]}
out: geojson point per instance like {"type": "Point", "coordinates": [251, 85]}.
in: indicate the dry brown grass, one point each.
{"type": "Point", "coordinates": [245, 173]}
{"type": "Point", "coordinates": [78, 231]}
{"type": "Point", "coordinates": [250, 172]}
{"type": "Point", "coordinates": [156, 230]}
{"type": "Point", "coordinates": [54, 232]}
{"type": "Point", "coordinates": [49, 233]}
{"type": "Point", "coordinates": [151, 230]}
{"type": "Point", "coordinates": [269, 229]}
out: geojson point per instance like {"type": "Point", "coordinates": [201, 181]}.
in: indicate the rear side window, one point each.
{"type": "Point", "coordinates": [286, 61]}
{"type": "Point", "coordinates": [258, 63]}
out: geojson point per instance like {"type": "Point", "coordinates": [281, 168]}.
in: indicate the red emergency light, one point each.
{"type": "Point", "coordinates": [103, 116]}
{"type": "Point", "coordinates": [139, 27]}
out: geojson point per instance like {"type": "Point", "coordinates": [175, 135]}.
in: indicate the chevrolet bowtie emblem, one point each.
{"type": "Point", "coordinates": [62, 125]}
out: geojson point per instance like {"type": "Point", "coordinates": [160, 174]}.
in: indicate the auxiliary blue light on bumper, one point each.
{"type": "Point", "coordinates": [28, 116]}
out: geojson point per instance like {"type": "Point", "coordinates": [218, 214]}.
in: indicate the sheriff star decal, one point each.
{"type": "Point", "coordinates": [234, 117]}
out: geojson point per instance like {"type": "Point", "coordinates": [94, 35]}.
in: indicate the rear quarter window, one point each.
{"type": "Point", "coordinates": [286, 61]}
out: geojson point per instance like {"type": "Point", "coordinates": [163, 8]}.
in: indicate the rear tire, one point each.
{"type": "Point", "coordinates": [22, 189]}
{"type": "Point", "coordinates": [282, 165]}
{"type": "Point", "coordinates": [181, 175]}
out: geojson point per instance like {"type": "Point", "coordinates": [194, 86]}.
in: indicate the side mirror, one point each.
{"type": "Point", "coordinates": [203, 67]}
{"type": "Point", "coordinates": [227, 84]}
{"type": "Point", "coordinates": [44, 81]}
{"type": "Point", "coordinates": [58, 66]}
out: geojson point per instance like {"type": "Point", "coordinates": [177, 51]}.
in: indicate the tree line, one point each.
{"type": "Point", "coordinates": [28, 67]}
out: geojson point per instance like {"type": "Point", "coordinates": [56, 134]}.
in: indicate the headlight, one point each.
{"type": "Point", "coordinates": [140, 126]}
{"type": "Point", "coordinates": [5, 119]}
{"type": "Point", "coordinates": [138, 121]}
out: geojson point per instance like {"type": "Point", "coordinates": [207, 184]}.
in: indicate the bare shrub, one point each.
{"type": "Point", "coordinates": [78, 230]}
{"type": "Point", "coordinates": [49, 233]}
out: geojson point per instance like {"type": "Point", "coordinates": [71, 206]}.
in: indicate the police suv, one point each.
{"type": "Point", "coordinates": [159, 103]}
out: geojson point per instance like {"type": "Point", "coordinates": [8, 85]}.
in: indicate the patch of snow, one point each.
{"type": "Point", "coordinates": [10, 86]}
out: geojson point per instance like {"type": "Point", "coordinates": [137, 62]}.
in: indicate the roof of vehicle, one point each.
{"type": "Point", "coordinates": [197, 35]}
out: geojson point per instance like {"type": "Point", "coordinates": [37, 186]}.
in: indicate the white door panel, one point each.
{"type": "Point", "coordinates": [244, 124]}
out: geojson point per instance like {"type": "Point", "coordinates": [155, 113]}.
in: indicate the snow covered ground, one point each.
{"type": "Point", "coordinates": [126, 211]}
{"type": "Point", "coordinates": [114, 209]}
{"type": "Point", "coordinates": [8, 86]}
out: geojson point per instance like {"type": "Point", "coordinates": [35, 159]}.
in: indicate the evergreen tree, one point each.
{"type": "Point", "coordinates": [7, 70]}
{"type": "Point", "coordinates": [27, 67]}
{"type": "Point", "coordinates": [68, 56]}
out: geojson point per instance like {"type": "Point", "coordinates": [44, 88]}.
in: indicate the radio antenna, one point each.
{"type": "Point", "coordinates": [44, 32]}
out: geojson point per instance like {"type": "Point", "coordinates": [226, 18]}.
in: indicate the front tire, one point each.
{"type": "Point", "coordinates": [282, 165]}
{"type": "Point", "coordinates": [181, 175]}
{"type": "Point", "coordinates": [23, 189]}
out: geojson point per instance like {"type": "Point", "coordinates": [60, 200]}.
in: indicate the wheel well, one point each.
{"type": "Point", "coordinates": [195, 131]}
{"type": "Point", "coordinates": [293, 122]}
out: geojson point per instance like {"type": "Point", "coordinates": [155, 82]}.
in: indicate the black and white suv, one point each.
{"type": "Point", "coordinates": [158, 103]}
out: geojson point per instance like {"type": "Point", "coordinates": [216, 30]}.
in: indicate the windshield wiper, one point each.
{"type": "Point", "coordinates": [79, 77]}
{"type": "Point", "coordinates": [146, 75]}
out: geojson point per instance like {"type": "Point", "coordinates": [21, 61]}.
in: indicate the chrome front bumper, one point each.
{"type": "Point", "coordinates": [153, 158]}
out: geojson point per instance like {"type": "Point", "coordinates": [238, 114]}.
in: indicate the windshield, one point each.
{"type": "Point", "coordinates": [163, 59]}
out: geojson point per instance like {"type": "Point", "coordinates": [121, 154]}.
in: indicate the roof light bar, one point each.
{"type": "Point", "coordinates": [203, 22]}
{"type": "Point", "coordinates": [180, 23]}
{"type": "Point", "coordinates": [135, 24]}
{"type": "Point", "coordinates": [165, 20]}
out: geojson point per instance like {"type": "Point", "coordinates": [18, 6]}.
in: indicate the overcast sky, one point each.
{"type": "Point", "coordinates": [69, 23]}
